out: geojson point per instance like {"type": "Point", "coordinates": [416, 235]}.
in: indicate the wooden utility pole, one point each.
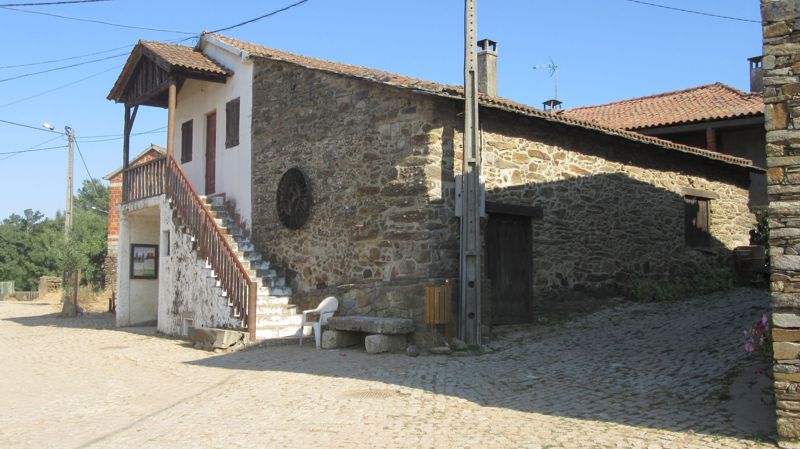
{"type": "Point", "coordinates": [470, 288]}
{"type": "Point", "coordinates": [70, 169]}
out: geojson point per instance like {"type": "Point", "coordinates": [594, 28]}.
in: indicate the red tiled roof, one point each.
{"type": "Point", "coordinates": [708, 102]}
{"type": "Point", "coordinates": [449, 91]}
{"type": "Point", "coordinates": [173, 56]}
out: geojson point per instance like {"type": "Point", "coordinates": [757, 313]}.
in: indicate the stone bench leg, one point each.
{"type": "Point", "coordinates": [332, 339]}
{"type": "Point", "coordinates": [378, 343]}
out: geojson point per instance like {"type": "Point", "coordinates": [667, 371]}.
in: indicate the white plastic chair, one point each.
{"type": "Point", "coordinates": [325, 310]}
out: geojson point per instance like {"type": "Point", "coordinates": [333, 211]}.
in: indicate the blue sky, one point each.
{"type": "Point", "coordinates": [606, 50]}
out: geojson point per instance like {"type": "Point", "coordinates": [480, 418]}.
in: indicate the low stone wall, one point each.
{"type": "Point", "coordinates": [49, 284]}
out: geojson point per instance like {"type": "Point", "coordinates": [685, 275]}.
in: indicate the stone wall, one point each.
{"type": "Point", "coordinates": [187, 290]}
{"type": "Point", "coordinates": [364, 148]}
{"type": "Point", "coordinates": [382, 162]}
{"type": "Point", "coordinates": [613, 209]}
{"type": "Point", "coordinates": [49, 284]}
{"type": "Point", "coordinates": [782, 114]}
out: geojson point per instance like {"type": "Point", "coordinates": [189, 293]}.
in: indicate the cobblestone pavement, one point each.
{"type": "Point", "coordinates": [632, 376]}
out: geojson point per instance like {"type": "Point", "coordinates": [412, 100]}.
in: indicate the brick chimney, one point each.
{"type": "Point", "coordinates": [487, 67]}
{"type": "Point", "coordinates": [756, 74]}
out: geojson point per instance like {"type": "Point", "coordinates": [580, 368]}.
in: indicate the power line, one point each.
{"type": "Point", "coordinates": [260, 17]}
{"type": "Point", "coordinates": [100, 22]}
{"type": "Point", "coordinates": [24, 75]}
{"type": "Point", "coordinates": [694, 12]}
{"type": "Point", "coordinates": [80, 153]}
{"type": "Point", "coordinates": [59, 87]}
{"type": "Point", "coordinates": [38, 128]}
{"type": "Point", "coordinates": [53, 3]}
{"type": "Point", "coordinates": [64, 59]}
{"type": "Point", "coordinates": [119, 136]}
{"type": "Point", "coordinates": [31, 148]}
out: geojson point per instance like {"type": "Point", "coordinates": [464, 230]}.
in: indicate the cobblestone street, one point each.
{"type": "Point", "coordinates": [632, 376]}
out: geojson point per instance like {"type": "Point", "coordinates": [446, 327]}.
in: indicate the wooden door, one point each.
{"type": "Point", "coordinates": [211, 153]}
{"type": "Point", "coordinates": [509, 267]}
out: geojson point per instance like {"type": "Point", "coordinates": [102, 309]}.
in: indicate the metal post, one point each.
{"type": "Point", "coordinates": [469, 311]}
{"type": "Point", "coordinates": [68, 211]}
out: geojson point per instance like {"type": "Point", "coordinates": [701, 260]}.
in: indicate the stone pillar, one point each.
{"type": "Point", "coordinates": [781, 65]}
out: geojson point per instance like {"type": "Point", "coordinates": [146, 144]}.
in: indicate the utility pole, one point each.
{"type": "Point", "coordinates": [68, 212]}
{"type": "Point", "coordinates": [470, 285]}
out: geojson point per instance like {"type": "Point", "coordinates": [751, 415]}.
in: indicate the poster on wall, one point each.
{"type": "Point", "coordinates": [144, 261]}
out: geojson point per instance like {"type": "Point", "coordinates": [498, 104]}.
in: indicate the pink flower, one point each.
{"type": "Point", "coordinates": [749, 347]}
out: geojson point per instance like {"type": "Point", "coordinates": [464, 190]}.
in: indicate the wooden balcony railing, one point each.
{"type": "Point", "coordinates": [213, 245]}
{"type": "Point", "coordinates": [143, 180]}
{"type": "Point", "coordinates": [149, 179]}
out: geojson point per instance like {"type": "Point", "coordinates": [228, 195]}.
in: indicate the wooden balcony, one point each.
{"type": "Point", "coordinates": [144, 180]}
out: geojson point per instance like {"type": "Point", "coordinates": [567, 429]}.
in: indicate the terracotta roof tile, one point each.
{"type": "Point", "coordinates": [708, 102]}
{"type": "Point", "coordinates": [444, 90]}
{"type": "Point", "coordinates": [184, 57]}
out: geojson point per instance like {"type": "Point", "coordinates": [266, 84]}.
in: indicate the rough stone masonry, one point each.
{"type": "Point", "coordinates": [781, 21]}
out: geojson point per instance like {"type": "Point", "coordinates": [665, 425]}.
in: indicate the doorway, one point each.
{"type": "Point", "coordinates": [509, 267]}
{"type": "Point", "coordinates": [211, 153]}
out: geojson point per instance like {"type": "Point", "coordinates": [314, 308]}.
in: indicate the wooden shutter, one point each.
{"type": "Point", "coordinates": [186, 142]}
{"type": "Point", "coordinates": [232, 123]}
{"type": "Point", "coordinates": [696, 224]}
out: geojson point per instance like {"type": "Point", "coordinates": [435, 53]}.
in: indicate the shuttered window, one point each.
{"type": "Point", "coordinates": [696, 222]}
{"type": "Point", "coordinates": [232, 123]}
{"type": "Point", "coordinates": [186, 142]}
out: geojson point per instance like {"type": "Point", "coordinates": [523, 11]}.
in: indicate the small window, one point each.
{"type": "Point", "coordinates": [186, 142]}
{"type": "Point", "coordinates": [232, 123]}
{"type": "Point", "coordinates": [697, 222]}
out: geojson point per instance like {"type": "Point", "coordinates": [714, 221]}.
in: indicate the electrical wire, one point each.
{"type": "Point", "coordinates": [67, 2]}
{"type": "Point", "coordinates": [119, 136]}
{"type": "Point", "coordinates": [31, 148]}
{"type": "Point", "coordinates": [30, 97]}
{"type": "Point", "coordinates": [693, 12]}
{"type": "Point", "coordinates": [37, 128]}
{"type": "Point", "coordinates": [260, 17]}
{"type": "Point", "coordinates": [80, 153]}
{"type": "Point", "coordinates": [100, 22]}
{"type": "Point", "coordinates": [77, 64]}
{"type": "Point", "coordinates": [64, 59]}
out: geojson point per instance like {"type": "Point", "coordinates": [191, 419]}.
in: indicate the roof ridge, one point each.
{"type": "Point", "coordinates": [664, 94]}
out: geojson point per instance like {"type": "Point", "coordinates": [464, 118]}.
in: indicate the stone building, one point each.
{"type": "Point", "coordinates": [781, 65]}
{"type": "Point", "coordinates": [341, 180]}
{"type": "Point", "coordinates": [114, 199]}
{"type": "Point", "coordinates": [716, 117]}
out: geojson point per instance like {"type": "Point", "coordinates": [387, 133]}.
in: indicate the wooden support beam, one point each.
{"type": "Point", "coordinates": [711, 139]}
{"type": "Point", "coordinates": [171, 104]}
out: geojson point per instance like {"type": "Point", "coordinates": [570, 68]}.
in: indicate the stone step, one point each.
{"type": "Point", "coordinates": [283, 320]}
{"type": "Point", "coordinates": [276, 309]}
{"type": "Point", "coordinates": [276, 331]}
{"type": "Point", "coordinates": [274, 291]}
{"type": "Point", "coordinates": [272, 300]}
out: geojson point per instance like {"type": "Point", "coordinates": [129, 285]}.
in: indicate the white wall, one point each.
{"type": "Point", "coordinates": [138, 298]}
{"type": "Point", "coordinates": [196, 99]}
{"type": "Point", "coordinates": [187, 289]}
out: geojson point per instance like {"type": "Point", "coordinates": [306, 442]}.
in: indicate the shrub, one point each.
{"type": "Point", "coordinates": [700, 280]}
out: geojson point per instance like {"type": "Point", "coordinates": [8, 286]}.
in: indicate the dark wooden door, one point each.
{"type": "Point", "coordinates": [211, 153]}
{"type": "Point", "coordinates": [509, 267]}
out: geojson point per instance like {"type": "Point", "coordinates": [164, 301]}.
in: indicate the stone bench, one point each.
{"type": "Point", "coordinates": [383, 334]}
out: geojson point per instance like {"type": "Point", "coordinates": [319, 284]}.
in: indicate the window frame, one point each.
{"type": "Point", "coordinates": [232, 122]}
{"type": "Point", "coordinates": [187, 141]}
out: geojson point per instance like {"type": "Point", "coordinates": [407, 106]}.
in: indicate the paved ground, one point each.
{"type": "Point", "coordinates": [638, 376]}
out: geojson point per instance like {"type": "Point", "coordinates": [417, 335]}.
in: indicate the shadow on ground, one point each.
{"type": "Point", "coordinates": [677, 366]}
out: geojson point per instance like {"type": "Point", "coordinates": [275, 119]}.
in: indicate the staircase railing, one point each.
{"type": "Point", "coordinates": [213, 245]}
{"type": "Point", "coordinates": [143, 180]}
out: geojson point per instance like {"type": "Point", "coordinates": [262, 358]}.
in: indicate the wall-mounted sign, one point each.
{"type": "Point", "coordinates": [144, 261]}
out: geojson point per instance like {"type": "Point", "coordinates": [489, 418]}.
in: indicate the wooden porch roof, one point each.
{"type": "Point", "coordinates": [150, 67]}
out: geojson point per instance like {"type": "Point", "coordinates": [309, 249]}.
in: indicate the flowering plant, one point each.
{"type": "Point", "coordinates": [756, 339]}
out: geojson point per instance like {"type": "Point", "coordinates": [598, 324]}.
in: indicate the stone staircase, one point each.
{"type": "Point", "coordinates": [276, 317]}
